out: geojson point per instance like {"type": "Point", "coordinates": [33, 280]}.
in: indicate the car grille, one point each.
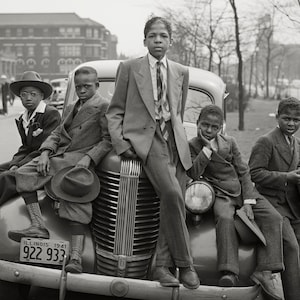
{"type": "Point", "coordinates": [125, 221]}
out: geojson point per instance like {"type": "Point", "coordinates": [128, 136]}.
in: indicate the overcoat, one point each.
{"type": "Point", "coordinates": [270, 161]}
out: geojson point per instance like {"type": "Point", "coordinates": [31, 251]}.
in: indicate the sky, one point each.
{"type": "Point", "coordinates": [124, 18]}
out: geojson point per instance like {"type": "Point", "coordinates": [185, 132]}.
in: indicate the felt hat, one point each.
{"type": "Point", "coordinates": [247, 229]}
{"type": "Point", "coordinates": [31, 78]}
{"type": "Point", "coordinates": [75, 184]}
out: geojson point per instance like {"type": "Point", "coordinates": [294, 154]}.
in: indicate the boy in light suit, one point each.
{"type": "Point", "coordinates": [81, 141]}
{"type": "Point", "coordinates": [217, 159]}
{"type": "Point", "coordinates": [274, 166]}
{"type": "Point", "coordinates": [145, 122]}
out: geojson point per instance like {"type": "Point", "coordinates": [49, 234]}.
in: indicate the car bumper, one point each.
{"type": "Point", "coordinates": [114, 286]}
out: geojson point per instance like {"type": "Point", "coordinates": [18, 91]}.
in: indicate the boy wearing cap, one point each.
{"type": "Point", "coordinates": [217, 159]}
{"type": "Point", "coordinates": [274, 167]}
{"type": "Point", "coordinates": [34, 126]}
{"type": "Point", "coordinates": [80, 141]}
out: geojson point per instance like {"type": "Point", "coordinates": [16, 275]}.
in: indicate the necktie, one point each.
{"type": "Point", "coordinates": [291, 140]}
{"type": "Point", "coordinates": [77, 107]}
{"type": "Point", "coordinates": [160, 99]}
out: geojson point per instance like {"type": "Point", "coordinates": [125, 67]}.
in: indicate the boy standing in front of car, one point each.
{"type": "Point", "coordinates": [34, 126]}
{"type": "Point", "coordinates": [274, 166]}
{"type": "Point", "coordinates": [81, 141]}
{"type": "Point", "coordinates": [145, 122]}
{"type": "Point", "coordinates": [217, 159]}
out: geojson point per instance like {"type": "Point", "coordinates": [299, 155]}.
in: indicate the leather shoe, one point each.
{"type": "Point", "coordinates": [266, 280]}
{"type": "Point", "coordinates": [189, 277]}
{"type": "Point", "coordinates": [74, 266]}
{"type": "Point", "coordinates": [228, 279]}
{"type": "Point", "coordinates": [30, 232]}
{"type": "Point", "coordinates": [165, 277]}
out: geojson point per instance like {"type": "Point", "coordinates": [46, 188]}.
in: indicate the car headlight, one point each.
{"type": "Point", "coordinates": [199, 197]}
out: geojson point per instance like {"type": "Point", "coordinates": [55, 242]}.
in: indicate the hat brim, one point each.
{"type": "Point", "coordinates": [59, 194]}
{"type": "Point", "coordinates": [45, 87]}
{"type": "Point", "coordinates": [241, 220]}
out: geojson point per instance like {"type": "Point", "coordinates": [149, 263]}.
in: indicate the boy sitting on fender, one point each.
{"type": "Point", "coordinates": [217, 159]}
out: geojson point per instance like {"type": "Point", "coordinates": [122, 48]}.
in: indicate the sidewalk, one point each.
{"type": "Point", "coordinates": [13, 110]}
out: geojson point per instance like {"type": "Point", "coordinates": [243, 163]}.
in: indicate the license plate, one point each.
{"type": "Point", "coordinates": [43, 251]}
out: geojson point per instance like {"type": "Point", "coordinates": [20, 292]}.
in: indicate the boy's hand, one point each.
{"type": "Point", "coordinates": [204, 140]}
{"type": "Point", "coordinates": [43, 165]}
{"type": "Point", "coordinates": [248, 211]}
{"type": "Point", "coordinates": [294, 177]}
{"type": "Point", "coordinates": [129, 154]}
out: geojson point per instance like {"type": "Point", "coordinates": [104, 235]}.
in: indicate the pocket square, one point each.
{"type": "Point", "coordinates": [37, 132]}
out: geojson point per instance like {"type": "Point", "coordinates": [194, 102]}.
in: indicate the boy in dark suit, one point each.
{"type": "Point", "coordinates": [34, 126]}
{"type": "Point", "coordinates": [145, 122]}
{"type": "Point", "coordinates": [80, 141]}
{"type": "Point", "coordinates": [274, 166]}
{"type": "Point", "coordinates": [217, 159]}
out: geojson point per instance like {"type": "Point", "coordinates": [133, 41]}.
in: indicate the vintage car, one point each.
{"type": "Point", "coordinates": [120, 242]}
{"type": "Point", "coordinates": [58, 95]}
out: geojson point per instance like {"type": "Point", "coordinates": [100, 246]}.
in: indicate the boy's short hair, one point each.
{"type": "Point", "coordinates": [153, 20]}
{"type": "Point", "coordinates": [86, 70]}
{"type": "Point", "coordinates": [286, 104]}
{"type": "Point", "coordinates": [211, 109]}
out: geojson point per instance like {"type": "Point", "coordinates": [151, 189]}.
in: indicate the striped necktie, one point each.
{"type": "Point", "coordinates": [160, 99]}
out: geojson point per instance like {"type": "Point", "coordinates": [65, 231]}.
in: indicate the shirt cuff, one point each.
{"type": "Point", "coordinates": [207, 152]}
{"type": "Point", "coordinates": [250, 201]}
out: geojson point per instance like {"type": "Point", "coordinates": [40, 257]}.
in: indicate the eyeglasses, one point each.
{"type": "Point", "coordinates": [85, 86]}
{"type": "Point", "coordinates": [25, 94]}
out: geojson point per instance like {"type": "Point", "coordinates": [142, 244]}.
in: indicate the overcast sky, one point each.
{"type": "Point", "coordinates": [124, 18]}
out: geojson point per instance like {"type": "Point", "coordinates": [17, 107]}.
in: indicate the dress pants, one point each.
{"type": "Point", "coordinates": [269, 257]}
{"type": "Point", "coordinates": [7, 183]}
{"type": "Point", "coordinates": [168, 179]}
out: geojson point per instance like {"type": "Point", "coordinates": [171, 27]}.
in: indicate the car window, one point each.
{"type": "Point", "coordinates": [196, 100]}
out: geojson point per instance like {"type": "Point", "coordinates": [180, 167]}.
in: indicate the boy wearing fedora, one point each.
{"type": "Point", "coordinates": [80, 142]}
{"type": "Point", "coordinates": [217, 159]}
{"type": "Point", "coordinates": [34, 126]}
{"type": "Point", "coordinates": [274, 166]}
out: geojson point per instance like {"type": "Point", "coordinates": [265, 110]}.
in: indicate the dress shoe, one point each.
{"type": "Point", "coordinates": [165, 277]}
{"type": "Point", "coordinates": [266, 280]}
{"type": "Point", "coordinates": [228, 279]}
{"type": "Point", "coordinates": [30, 232]}
{"type": "Point", "coordinates": [74, 266]}
{"type": "Point", "coordinates": [189, 277]}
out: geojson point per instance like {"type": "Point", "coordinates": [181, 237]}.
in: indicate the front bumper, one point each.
{"type": "Point", "coordinates": [117, 286]}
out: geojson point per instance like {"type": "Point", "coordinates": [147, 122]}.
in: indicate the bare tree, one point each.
{"type": "Point", "coordinates": [240, 66]}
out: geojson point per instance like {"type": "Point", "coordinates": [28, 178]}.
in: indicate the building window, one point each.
{"type": "Point", "coordinates": [45, 31]}
{"type": "Point", "coordinates": [30, 32]}
{"type": "Point", "coordinates": [45, 63]}
{"type": "Point", "coordinates": [30, 63]}
{"type": "Point", "coordinates": [89, 33]}
{"type": "Point", "coordinates": [89, 51]}
{"type": "Point", "coordinates": [20, 62]}
{"type": "Point", "coordinates": [96, 33]}
{"type": "Point", "coordinates": [69, 50]}
{"type": "Point", "coordinates": [96, 51]}
{"type": "Point", "coordinates": [62, 31]}
{"type": "Point", "coordinates": [46, 51]}
{"type": "Point", "coordinates": [77, 31]}
{"type": "Point", "coordinates": [7, 32]}
{"type": "Point", "coordinates": [19, 51]}
{"type": "Point", "coordinates": [30, 50]}
{"type": "Point", "coordinates": [19, 32]}
{"type": "Point", "coordinates": [77, 61]}
{"type": "Point", "coordinates": [7, 49]}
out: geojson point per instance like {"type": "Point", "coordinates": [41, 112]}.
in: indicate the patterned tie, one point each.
{"type": "Point", "coordinates": [161, 99]}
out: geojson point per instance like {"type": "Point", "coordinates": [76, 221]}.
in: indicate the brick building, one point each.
{"type": "Point", "coordinates": [54, 43]}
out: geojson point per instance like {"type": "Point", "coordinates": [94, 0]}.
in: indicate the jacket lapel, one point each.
{"type": "Point", "coordinates": [144, 84]}
{"type": "Point", "coordinates": [282, 146]}
{"type": "Point", "coordinates": [21, 130]}
{"type": "Point", "coordinates": [223, 150]}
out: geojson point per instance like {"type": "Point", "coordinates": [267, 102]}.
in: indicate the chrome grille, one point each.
{"type": "Point", "coordinates": [125, 221]}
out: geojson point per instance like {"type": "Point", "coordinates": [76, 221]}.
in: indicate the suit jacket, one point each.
{"type": "Point", "coordinates": [270, 161]}
{"type": "Point", "coordinates": [226, 170]}
{"type": "Point", "coordinates": [131, 114]}
{"type": "Point", "coordinates": [39, 129]}
{"type": "Point", "coordinates": [85, 133]}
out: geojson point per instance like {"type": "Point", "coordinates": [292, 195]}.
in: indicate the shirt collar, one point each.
{"type": "Point", "coordinates": [153, 61]}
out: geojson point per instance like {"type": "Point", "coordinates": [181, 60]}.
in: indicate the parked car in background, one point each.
{"type": "Point", "coordinates": [57, 98]}
{"type": "Point", "coordinates": [120, 241]}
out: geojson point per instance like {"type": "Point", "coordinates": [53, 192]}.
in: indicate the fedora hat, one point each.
{"type": "Point", "coordinates": [247, 229]}
{"type": "Point", "coordinates": [75, 184]}
{"type": "Point", "coordinates": [31, 78]}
